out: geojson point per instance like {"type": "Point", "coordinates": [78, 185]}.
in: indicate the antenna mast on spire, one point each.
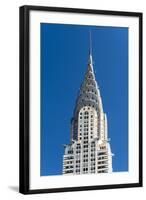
{"type": "Point", "coordinates": [90, 48]}
{"type": "Point", "coordinates": [90, 42]}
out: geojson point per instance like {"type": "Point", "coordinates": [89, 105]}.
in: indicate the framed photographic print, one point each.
{"type": "Point", "coordinates": [80, 99]}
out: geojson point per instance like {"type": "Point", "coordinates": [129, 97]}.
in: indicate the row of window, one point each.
{"type": "Point", "coordinates": [92, 169]}
{"type": "Point", "coordinates": [78, 147]}
{"type": "Point", "coordinates": [102, 153]}
{"type": "Point", "coordinates": [102, 158]}
{"type": "Point", "coordinates": [87, 108]}
{"type": "Point", "coordinates": [102, 162]}
{"type": "Point", "coordinates": [103, 147]}
{"type": "Point", "coordinates": [92, 154]}
{"type": "Point", "coordinates": [86, 117]}
{"type": "Point", "coordinates": [68, 167]}
{"type": "Point", "coordinates": [68, 162]}
{"type": "Point", "coordinates": [86, 129]}
{"type": "Point", "coordinates": [91, 136]}
{"type": "Point", "coordinates": [86, 138]}
{"type": "Point", "coordinates": [86, 146]}
{"type": "Point", "coordinates": [85, 150]}
{"type": "Point", "coordinates": [69, 158]}
{"type": "Point", "coordinates": [70, 151]}
{"type": "Point", "coordinates": [68, 171]}
{"type": "Point", "coordinates": [89, 91]}
{"type": "Point", "coordinates": [102, 167]}
{"type": "Point", "coordinates": [103, 171]}
{"type": "Point", "coordinates": [86, 125]}
{"type": "Point", "coordinates": [86, 160]}
{"type": "Point", "coordinates": [90, 99]}
{"type": "Point", "coordinates": [86, 133]}
{"type": "Point", "coordinates": [85, 168]}
{"type": "Point", "coordinates": [86, 156]}
{"type": "Point", "coordinates": [89, 83]}
{"type": "Point", "coordinates": [85, 171]}
{"type": "Point", "coordinates": [90, 96]}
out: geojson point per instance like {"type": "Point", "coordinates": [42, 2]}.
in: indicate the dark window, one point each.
{"type": "Point", "coordinates": [92, 144]}
{"type": "Point", "coordinates": [86, 117]}
{"type": "Point", "coordinates": [69, 171]}
{"type": "Point", "coordinates": [102, 153]}
{"type": "Point", "coordinates": [93, 149]}
{"type": "Point", "coordinates": [70, 151]}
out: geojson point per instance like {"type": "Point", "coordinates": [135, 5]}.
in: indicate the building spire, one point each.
{"type": "Point", "coordinates": [90, 61]}
{"type": "Point", "coordinates": [90, 50]}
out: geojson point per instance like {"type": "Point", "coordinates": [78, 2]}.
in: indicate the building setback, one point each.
{"type": "Point", "coordinates": [89, 150]}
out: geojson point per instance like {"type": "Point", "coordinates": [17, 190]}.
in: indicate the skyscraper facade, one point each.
{"type": "Point", "coordinates": [89, 151]}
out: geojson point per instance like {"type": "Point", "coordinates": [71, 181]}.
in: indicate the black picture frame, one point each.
{"type": "Point", "coordinates": [24, 122]}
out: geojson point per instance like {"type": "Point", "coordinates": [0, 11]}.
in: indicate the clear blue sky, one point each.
{"type": "Point", "coordinates": [64, 56]}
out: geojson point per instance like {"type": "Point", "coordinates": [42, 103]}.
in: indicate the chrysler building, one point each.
{"type": "Point", "coordinates": [89, 150]}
